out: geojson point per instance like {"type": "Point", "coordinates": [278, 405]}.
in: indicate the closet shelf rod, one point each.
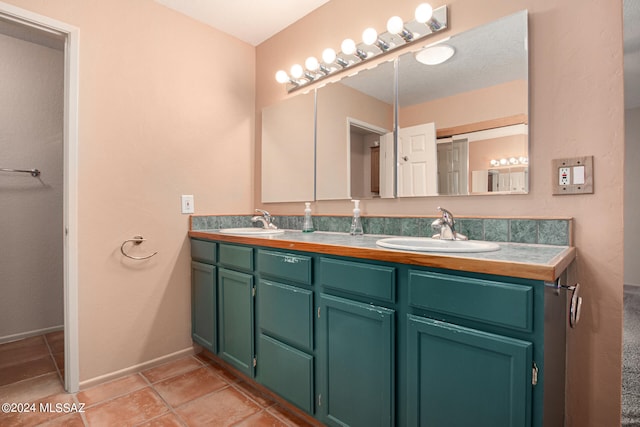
{"type": "Point", "coordinates": [34, 172]}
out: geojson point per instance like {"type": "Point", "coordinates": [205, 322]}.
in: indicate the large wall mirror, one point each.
{"type": "Point", "coordinates": [288, 162]}
{"type": "Point", "coordinates": [462, 125]}
{"type": "Point", "coordinates": [354, 153]}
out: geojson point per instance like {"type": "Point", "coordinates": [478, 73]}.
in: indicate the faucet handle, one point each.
{"type": "Point", "coordinates": [264, 213]}
{"type": "Point", "coordinates": [446, 215]}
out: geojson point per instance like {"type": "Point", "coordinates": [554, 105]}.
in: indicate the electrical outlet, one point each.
{"type": "Point", "coordinates": [564, 176]}
{"type": "Point", "coordinates": [573, 175]}
{"type": "Point", "coordinates": [187, 204]}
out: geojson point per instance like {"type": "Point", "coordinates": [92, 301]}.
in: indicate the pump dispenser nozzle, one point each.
{"type": "Point", "coordinates": [307, 226]}
{"type": "Point", "coordinates": [356, 223]}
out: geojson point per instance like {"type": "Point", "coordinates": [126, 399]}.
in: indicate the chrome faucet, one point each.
{"type": "Point", "coordinates": [265, 218]}
{"type": "Point", "coordinates": [446, 227]}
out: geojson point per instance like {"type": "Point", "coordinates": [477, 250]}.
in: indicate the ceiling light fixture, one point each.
{"type": "Point", "coordinates": [427, 21]}
{"type": "Point", "coordinates": [435, 55]}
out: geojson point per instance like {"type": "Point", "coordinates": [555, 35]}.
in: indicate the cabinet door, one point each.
{"type": "Point", "coordinates": [463, 377]}
{"type": "Point", "coordinates": [203, 305]}
{"type": "Point", "coordinates": [235, 318]}
{"type": "Point", "coordinates": [356, 363]}
{"type": "Point", "coordinates": [287, 371]}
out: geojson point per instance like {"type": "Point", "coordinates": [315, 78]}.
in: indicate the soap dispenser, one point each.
{"type": "Point", "coordinates": [307, 226]}
{"type": "Point", "coordinates": [356, 223]}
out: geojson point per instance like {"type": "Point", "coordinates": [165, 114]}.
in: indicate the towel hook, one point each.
{"type": "Point", "coordinates": [136, 241]}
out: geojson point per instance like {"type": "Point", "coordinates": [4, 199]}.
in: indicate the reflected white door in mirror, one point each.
{"type": "Point", "coordinates": [417, 161]}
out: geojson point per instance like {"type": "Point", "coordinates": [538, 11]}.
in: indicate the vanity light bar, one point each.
{"type": "Point", "coordinates": [511, 161]}
{"type": "Point", "coordinates": [427, 21]}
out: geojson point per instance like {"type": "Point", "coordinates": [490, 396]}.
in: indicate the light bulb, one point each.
{"type": "Point", "coordinates": [329, 55]}
{"type": "Point", "coordinates": [297, 71]}
{"type": "Point", "coordinates": [495, 162]}
{"type": "Point", "coordinates": [524, 160]}
{"type": "Point", "coordinates": [513, 161]}
{"type": "Point", "coordinates": [424, 11]}
{"type": "Point", "coordinates": [311, 63]}
{"type": "Point", "coordinates": [282, 76]}
{"type": "Point", "coordinates": [369, 36]}
{"type": "Point", "coordinates": [395, 25]}
{"type": "Point", "coordinates": [504, 162]}
{"type": "Point", "coordinates": [348, 47]}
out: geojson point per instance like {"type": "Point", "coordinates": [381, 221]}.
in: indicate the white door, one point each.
{"type": "Point", "coordinates": [417, 161]}
{"type": "Point", "coordinates": [387, 168]}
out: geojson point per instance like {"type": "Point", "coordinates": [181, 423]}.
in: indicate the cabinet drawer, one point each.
{"type": "Point", "coordinates": [203, 251]}
{"type": "Point", "coordinates": [286, 371]}
{"type": "Point", "coordinates": [286, 312]}
{"type": "Point", "coordinates": [359, 278]}
{"type": "Point", "coordinates": [285, 266]}
{"type": "Point", "coordinates": [239, 257]}
{"type": "Point", "coordinates": [497, 303]}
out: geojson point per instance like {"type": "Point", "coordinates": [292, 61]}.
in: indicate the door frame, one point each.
{"type": "Point", "coordinates": [70, 202]}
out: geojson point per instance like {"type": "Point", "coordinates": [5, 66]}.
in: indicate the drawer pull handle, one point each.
{"type": "Point", "coordinates": [290, 259]}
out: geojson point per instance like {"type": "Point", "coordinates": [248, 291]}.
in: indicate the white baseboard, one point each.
{"type": "Point", "coordinates": [28, 334]}
{"type": "Point", "coordinates": [136, 368]}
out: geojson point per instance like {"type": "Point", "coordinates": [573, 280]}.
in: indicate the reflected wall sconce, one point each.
{"type": "Point", "coordinates": [398, 33]}
{"type": "Point", "coordinates": [511, 161]}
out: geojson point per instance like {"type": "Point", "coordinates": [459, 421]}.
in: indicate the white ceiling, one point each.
{"type": "Point", "coordinates": [252, 21]}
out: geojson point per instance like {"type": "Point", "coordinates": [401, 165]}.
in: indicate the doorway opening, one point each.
{"type": "Point", "coordinates": [41, 32]}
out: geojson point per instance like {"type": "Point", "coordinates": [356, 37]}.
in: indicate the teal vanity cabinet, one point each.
{"type": "Point", "coordinates": [476, 351]}
{"type": "Point", "coordinates": [203, 294]}
{"type": "Point", "coordinates": [236, 306]}
{"type": "Point", "coordinates": [285, 307]}
{"type": "Point", "coordinates": [379, 342]}
{"type": "Point", "coordinates": [356, 343]}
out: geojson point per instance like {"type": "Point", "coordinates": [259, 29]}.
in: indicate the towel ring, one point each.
{"type": "Point", "coordinates": [136, 241]}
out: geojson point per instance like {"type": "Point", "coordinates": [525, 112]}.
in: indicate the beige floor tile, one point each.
{"type": "Point", "coordinates": [128, 410]}
{"type": "Point", "coordinates": [106, 391]}
{"type": "Point", "coordinates": [188, 386]}
{"type": "Point", "coordinates": [290, 418]}
{"type": "Point", "coordinates": [262, 419]}
{"type": "Point", "coordinates": [39, 411]}
{"type": "Point", "coordinates": [70, 420]}
{"type": "Point", "coordinates": [223, 408]}
{"type": "Point", "coordinates": [255, 394]}
{"type": "Point", "coordinates": [29, 369]}
{"type": "Point", "coordinates": [171, 369]}
{"type": "Point", "coordinates": [55, 341]}
{"type": "Point", "coordinates": [32, 389]}
{"type": "Point", "coordinates": [19, 352]}
{"type": "Point", "coordinates": [167, 420]}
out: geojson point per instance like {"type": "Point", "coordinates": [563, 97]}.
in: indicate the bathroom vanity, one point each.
{"type": "Point", "coordinates": [354, 334]}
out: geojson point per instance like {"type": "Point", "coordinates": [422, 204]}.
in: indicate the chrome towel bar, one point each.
{"type": "Point", "coordinates": [136, 241]}
{"type": "Point", "coordinates": [34, 172]}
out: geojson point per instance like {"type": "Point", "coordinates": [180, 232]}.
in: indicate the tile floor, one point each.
{"type": "Point", "coordinates": [191, 391]}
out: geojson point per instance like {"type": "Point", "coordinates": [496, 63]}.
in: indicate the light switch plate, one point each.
{"type": "Point", "coordinates": [187, 204]}
{"type": "Point", "coordinates": [572, 175]}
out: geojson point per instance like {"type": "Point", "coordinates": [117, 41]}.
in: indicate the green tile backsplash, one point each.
{"type": "Point", "coordinates": [517, 230]}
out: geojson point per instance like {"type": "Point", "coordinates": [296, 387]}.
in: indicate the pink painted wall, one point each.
{"type": "Point", "coordinates": [576, 109]}
{"type": "Point", "coordinates": [165, 103]}
{"type": "Point", "coordinates": [489, 103]}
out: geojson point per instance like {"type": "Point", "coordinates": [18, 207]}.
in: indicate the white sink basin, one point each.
{"type": "Point", "coordinates": [251, 231]}
{"type": "Point", "coordinates": [427, 244]}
